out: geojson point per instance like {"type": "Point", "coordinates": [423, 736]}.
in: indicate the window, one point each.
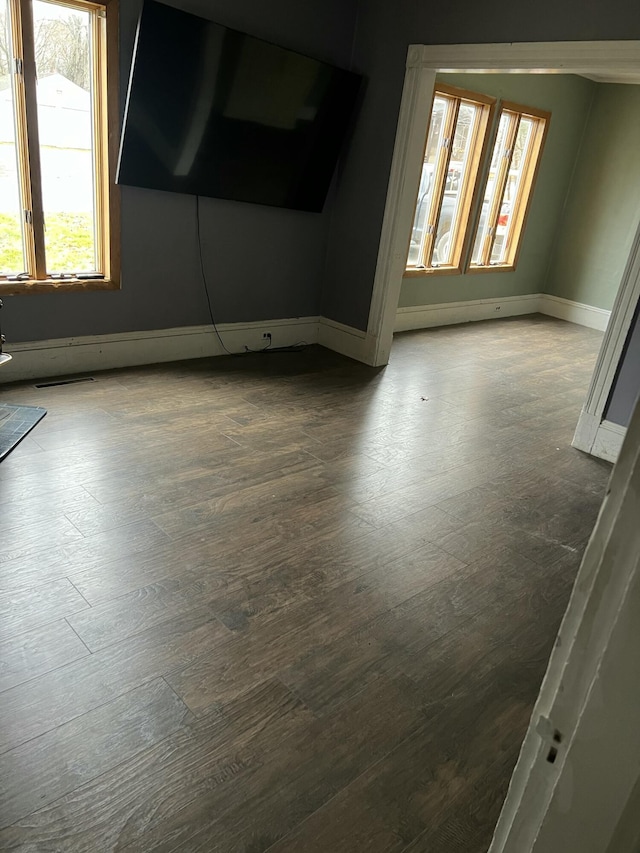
{"type": "Point", "coordinates": [58, 204]}
{"type": "Point", "coordinates": [453, 153]}
{"type": "Point", "coordinates": [508, 189]}
{"type": "Point", "coordinates": [452, 219]}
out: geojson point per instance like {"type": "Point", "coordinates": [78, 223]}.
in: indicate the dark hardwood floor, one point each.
{"type": "Point", "coordinates": [287, 602]}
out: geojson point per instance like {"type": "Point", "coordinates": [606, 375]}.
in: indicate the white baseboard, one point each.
{"type": "Point", "coordinates": [448, 313]}
{"type": "Point", "coordinates": [343, 339]}
{"type": "Point", "coordinates": [608, 441]}
{"type": "Point", "coordinates": [586, 431]}
{"type": "Point", "coordinates": [574, 312]}
{"type": "Point", "coordinates": [64, 356]}
{"type": "Point", "coordinates": [599, 438]}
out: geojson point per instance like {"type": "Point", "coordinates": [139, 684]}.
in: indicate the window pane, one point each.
{"type": "Point", "coordinates": [12, 252]}
{"type": "Point", "coordinates": [459, 164]}
{"type": "Point", "coordinates": [521, 147]}
{"type": "Point", "coordinates": [63, 65]}
{"type": "Point", "coordinates": [425, 193]}
{"type": "Point", "coordinates": [492, 187]}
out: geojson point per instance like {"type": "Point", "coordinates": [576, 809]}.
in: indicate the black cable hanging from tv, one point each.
{"type": "Point", "coordinates": [293, 348]}
{"type": "Point", "coordinates": [204, 281]}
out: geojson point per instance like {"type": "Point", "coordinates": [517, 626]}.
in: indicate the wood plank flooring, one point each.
{"type": "Point", "coordinates": [286, 602]}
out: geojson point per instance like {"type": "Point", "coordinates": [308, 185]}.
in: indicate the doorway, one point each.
{"type": "Point", "coordinates": [597, 60]}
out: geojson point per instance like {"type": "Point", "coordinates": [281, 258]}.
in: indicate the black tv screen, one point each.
{"type": "Point", "coordinates": [215, 112]}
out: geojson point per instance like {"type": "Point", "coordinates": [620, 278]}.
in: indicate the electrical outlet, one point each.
{"type": "Point", "coordinates": [266, 336]}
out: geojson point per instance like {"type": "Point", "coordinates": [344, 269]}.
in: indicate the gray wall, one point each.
{"type": "Point", "coordinates": [266, 263]}
{"type": "Point", "coordinates": [603, 205]}
{"type": "Point", "coordinates": [385, 29]}
{"type": "Point", "coordinates": [262, 262]}
{"type": "Point", "coordinates": [626, 387]}
{"type": "Point", "coordinates": [568, 98]}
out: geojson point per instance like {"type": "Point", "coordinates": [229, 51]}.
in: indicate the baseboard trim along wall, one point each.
{"type": "Point", "coordinates": [346, 340]}
{"type": "Point", "coordinates": [64, 356]}
{"type": "Point", "coordinates": [608, 441]}
{"type": "Point", "coordinates": [599, 438]}
{"type": "Point", "coordinates": [574, 312]}
{"type": "Point", "coordinates": [448, 313]}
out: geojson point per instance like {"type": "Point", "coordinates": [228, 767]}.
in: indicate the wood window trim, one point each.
{"type": "Point", "coordinates": [525, 192]}
{"type": "Point", "coordinates": [464, 94]}
{"type": "Point", "coordinates": [106, 123]}
{"type": "Point", "coordinates": [440, 175]}
{"type": "Point", "coordinates": [525, 110]}
{"type": "Point", "coordinates": [471, 189]}
{"type": "Point", "coordinates": [50, 285]}
{"type": "Point", "coordinates": [480, 156]}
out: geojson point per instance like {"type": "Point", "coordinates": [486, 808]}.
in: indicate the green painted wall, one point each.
{"type": "Point", "coordinates": [603, 206]}
{"type": "Point", "coordinates": [569, 99]}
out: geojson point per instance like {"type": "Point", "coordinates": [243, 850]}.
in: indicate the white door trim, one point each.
{"type": "Point", "coordinates": [608, 441]}
{"type": "Point", "coordinates": [423, 61]}
{"type": "Point", "coordinates": [587, 707]}
{"type": "Point", "coordinates": [593, 410]}
{"type": "Point", "coordinates": [404, 181]}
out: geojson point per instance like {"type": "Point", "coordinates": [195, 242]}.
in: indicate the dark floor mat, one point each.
{"type": "Point", "coordinates": [15, 423]}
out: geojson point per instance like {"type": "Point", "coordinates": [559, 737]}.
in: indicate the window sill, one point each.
{"type": "Point", "coordinates": [496, 268]}
{"type": "Point", "coordinates": [17, 288]}
{"type": "Point", "coordinates": [410, 272]}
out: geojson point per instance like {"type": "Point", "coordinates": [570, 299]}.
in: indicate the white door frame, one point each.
{"type": "Point", "coordinates": [575, 786]}
{"type": "Point", "coordinates": [600, 58]}
{"type": "Point", "coordinates": [593, 433]}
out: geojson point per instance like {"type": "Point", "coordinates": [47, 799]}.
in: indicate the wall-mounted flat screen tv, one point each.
{"type": "Point", "coordinates": [215, 112]}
